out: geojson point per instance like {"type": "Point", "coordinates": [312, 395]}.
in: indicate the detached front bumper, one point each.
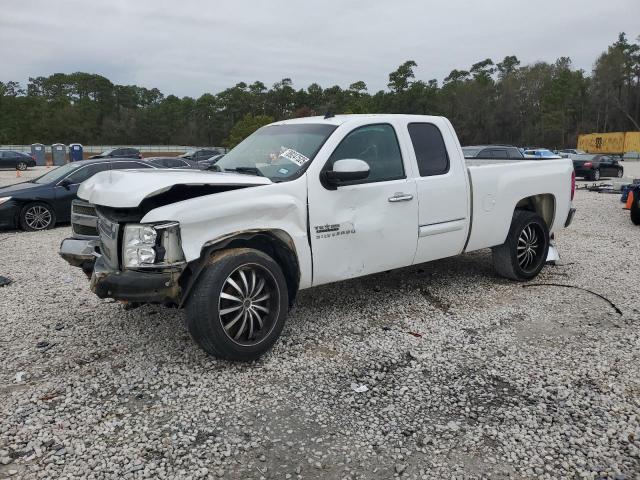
{"type": "Point", "coordinates": [80, 253]}
{"type": "Point", "coordinates": [135, 286]}
{"type": "Point", "coordinates": [128, 285]}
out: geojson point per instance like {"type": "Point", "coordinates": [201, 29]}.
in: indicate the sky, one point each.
{"type": "Point", "coordinates": [197, 46]}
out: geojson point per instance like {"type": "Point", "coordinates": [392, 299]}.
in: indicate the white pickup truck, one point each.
{"type": "Point", "coordinates": [306, 202]}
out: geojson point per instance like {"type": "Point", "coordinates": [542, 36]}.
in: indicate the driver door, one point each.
{"type": "Point", "coordinates": [364, 226]}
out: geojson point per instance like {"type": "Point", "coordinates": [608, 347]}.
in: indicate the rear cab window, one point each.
{"type": "Point", "coordinates": [431, 152]}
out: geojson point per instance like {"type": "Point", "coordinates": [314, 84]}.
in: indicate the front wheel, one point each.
{"type": "Point", "coordinates": [239, 305]}
{"type": "Point", "coordinates": [620, 173]}
{"type": "Point", "coordinates": [524, 253]}
{"type": "Point", "coordinates": [595, 175]}
{"type": "Point", "coordinates": [37, 216]}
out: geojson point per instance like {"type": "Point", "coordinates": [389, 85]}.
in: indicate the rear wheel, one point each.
{"type": "Point", "coordinates": [21, 166]}
{"type": "Point", "coordinates": [524, 253]}
{"type": "Point", "coordinates": [620, 173]}
{"type": "Point", "coordinates": [37, 216]}
{"type": "Point", "coordinates": [238, 307]}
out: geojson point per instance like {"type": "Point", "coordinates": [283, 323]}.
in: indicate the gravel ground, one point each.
{"type": "Point", "coordinates": [468, 375]}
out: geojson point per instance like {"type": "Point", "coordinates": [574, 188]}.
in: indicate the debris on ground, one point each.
{"type": "Point", "coordinates": [359, 388]}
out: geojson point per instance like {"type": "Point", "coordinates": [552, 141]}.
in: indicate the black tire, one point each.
{"type": "Point", "coordinates": [37, 216]}
{"type": "Point", "coordinates": [22, 166]}
{"type": "Point", "coordinates": [620, 173]}
{"type": "Point", "coordinates": [515, 258]}
{"type": "Point", "coordinates": [595, 175]}
{"type": "Point", "coordinates": [213, 295]}
{"type": "Point", "coordinates": [635, 210]}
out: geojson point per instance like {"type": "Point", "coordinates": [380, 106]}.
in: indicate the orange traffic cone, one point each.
{"type": "Point", "coordinates": [18, 174]}
{"type": "Point", "coordinates": [627, 206]}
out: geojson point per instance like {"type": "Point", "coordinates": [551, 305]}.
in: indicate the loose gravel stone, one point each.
{"type": "Point", "coordinates": [501, 381]}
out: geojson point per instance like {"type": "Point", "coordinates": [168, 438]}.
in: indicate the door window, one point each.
{"type": "Point", "coordinates": [431, 153]}
{"type": "Point", "coordinates": [87, 172]}
{"type": "Point", "coordinates": [378, 146]}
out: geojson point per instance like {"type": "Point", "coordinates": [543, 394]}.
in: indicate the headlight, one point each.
{"type": "Point", "coordinates": [4, 200]}
{"type": "Point", "coordinates": [139, 245]}
{"type": "Point", "coordinates": [152, 246]}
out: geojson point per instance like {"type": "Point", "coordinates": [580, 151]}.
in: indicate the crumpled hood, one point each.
{"type": "Point", "coordinates": [128, 188]}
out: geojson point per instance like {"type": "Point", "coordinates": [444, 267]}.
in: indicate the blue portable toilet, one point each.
{"type": "Point", "coordinates": [75, 152]}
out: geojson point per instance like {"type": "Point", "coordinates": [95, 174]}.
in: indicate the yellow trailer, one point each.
{"type": "Point", "coordinates": [613, 142]}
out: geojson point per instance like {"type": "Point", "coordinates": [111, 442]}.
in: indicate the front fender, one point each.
{"type": "Point", "coordinates": [209, 220]}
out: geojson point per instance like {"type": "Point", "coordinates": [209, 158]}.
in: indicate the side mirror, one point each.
{"type": "Point", "coordinates": [346, 170]}
{"type": "Point", "coordinates": [65, 184]}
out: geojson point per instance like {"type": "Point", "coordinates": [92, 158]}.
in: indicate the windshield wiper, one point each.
{"type": "Point", "coordinates": [249, 170]}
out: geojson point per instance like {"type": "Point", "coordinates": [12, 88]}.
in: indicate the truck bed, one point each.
{"type": "Point", "coordinates": [497, 186]}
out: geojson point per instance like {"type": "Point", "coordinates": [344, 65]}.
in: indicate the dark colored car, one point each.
{"type": "Point", "coordinates": [17, 160]}
{"type": "Point", "coordinates": [593, 167]}
{"type": "Point", "coordinates": [506, 152]}
{"type": "Point", "coordinates": [209, 162]}
{"type": "Point", "coordinates": [171, 162]}
{"type": "Point", "coordinates": [44, 201]}
{"type": "Point", "coordinates": [200, 154]}
{"type": "Point", "coordinates": [119, 153]}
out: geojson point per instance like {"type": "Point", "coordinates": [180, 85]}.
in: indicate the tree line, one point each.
{"type": "Point", "coordinates": [545, 104]}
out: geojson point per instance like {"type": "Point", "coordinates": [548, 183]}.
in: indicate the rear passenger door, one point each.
{"type": "Point", "coordinates": [443, 203]}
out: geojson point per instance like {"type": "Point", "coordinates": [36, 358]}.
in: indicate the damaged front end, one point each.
{"type": "Point", "coordinates": [130, 261]}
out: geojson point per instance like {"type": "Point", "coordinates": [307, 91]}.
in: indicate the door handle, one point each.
{"type": "Point", "coordinates": [401, 197]}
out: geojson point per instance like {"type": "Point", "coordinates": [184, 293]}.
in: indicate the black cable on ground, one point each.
{"type": "Point", "coordinates": [577, 288]}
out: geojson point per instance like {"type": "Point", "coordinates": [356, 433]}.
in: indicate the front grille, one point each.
{"type": "Point", "coordinates": [85, 230]}
{"type": "Point", "coordinates": [84, 209]}
{"type": "Point", "coordinates": [108, 231]}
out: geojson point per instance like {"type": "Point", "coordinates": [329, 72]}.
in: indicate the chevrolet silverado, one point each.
{"type": "Point", "coordinates": [306, 202]}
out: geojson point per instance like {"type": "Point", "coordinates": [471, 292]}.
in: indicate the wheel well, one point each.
{"type": "Point", "coordinates": [543, 204]}
{"type": "Point", "coordinates": [277, 244]}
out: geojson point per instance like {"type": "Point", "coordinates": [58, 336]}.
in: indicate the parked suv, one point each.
{"type": "Point", "coordinates": [119, 153]}
{"type": "Point", "coordinates": [592, 167]}
{"type": "Point", "coordinates": [17, 160]}
{"type": "Point", "coordinates": [492, 151]}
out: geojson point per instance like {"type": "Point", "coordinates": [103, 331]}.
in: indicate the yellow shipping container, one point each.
{"type": "Point", "coordinates": [632, 142]}
{"type": "Point", "coordinates": [613, 142]}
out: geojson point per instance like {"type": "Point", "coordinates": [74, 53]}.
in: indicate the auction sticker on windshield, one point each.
{"type": "Point", "coordinates": [296, 157]}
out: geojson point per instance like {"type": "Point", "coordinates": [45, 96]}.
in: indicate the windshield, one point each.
{"type": "Point", "coordinates": [277, 151]}
{"type": "Point", "coordinates": [57, 173]}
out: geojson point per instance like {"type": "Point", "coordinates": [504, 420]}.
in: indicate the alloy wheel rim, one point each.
{"type": "Point", "coordinates": [530, 247]}
{"type": "Point", "coordinates": [22, 166]}
{"type": "Point", "coordinates": [248, 305]}
{"type": "Point", "coordinates": [37, 217]}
